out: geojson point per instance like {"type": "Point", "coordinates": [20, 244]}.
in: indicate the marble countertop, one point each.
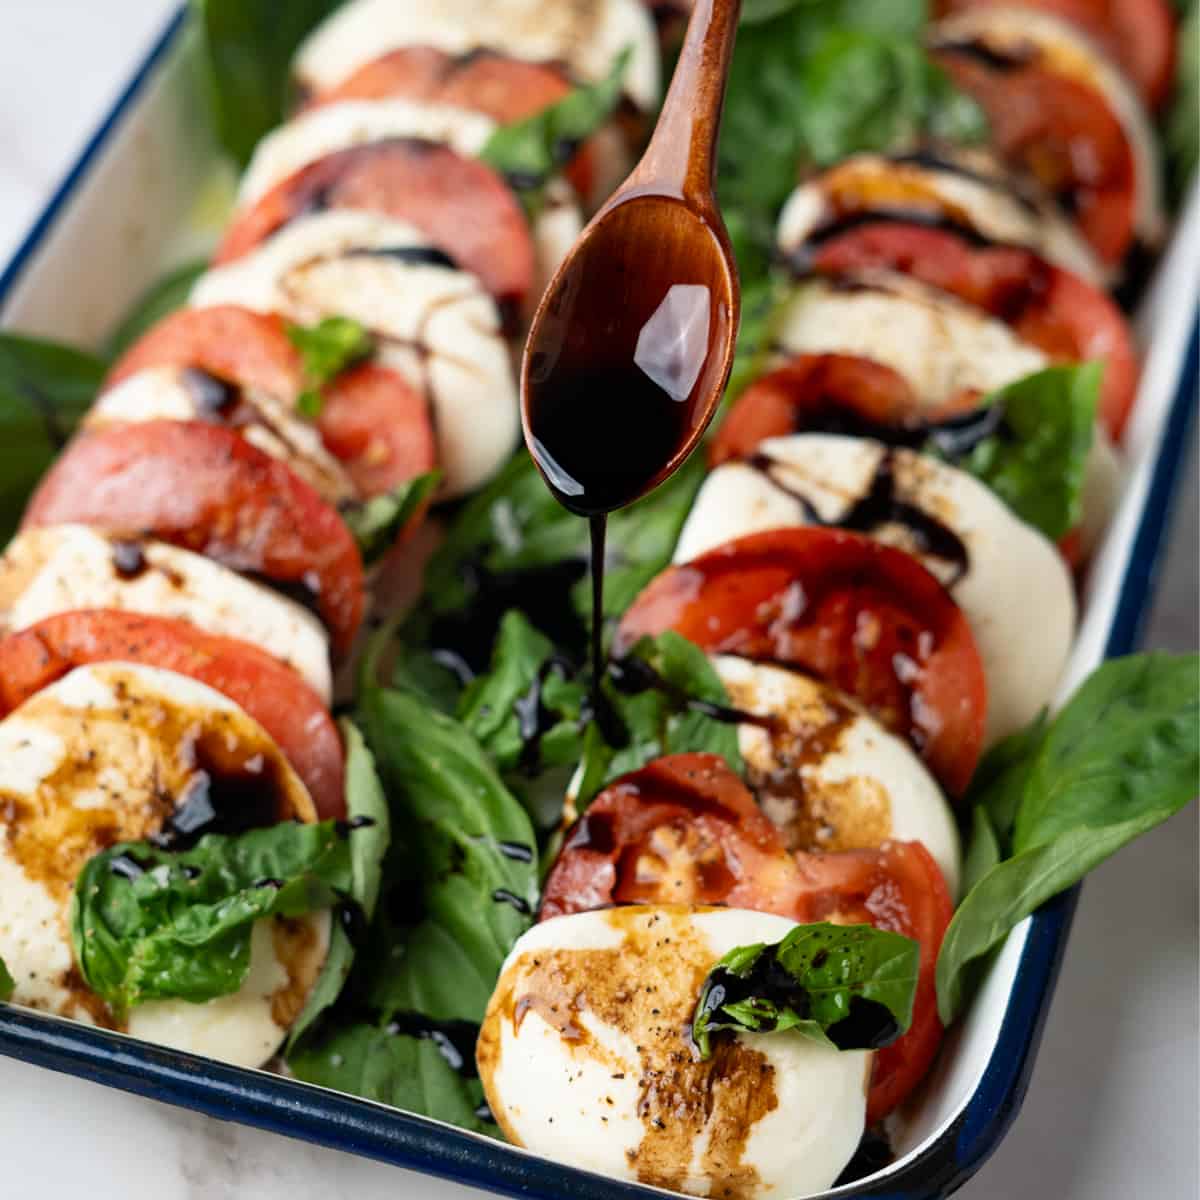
{"type": "Point", "coordinates": [1112, 1109]}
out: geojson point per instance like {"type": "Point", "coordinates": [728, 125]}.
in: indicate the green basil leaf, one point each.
{"type": "Point", "coordinates": [326, 350]}
{"type": "Point", "coordinates": [459, 891]}
{"type": "Point", "coordinates": [376, 523]}
{"type": "Point", "coordinates": [248, 48]}
{"type": "Point", "coordinates": [847, 986]}
{"type": "Point", "coordinates": [1000, 779]}
{"type": "Point", "coordinates": [530, 152]}
{"type": "Point", "coordinates": [983, 848]}
{"type": "Point", "coordinates": [1121, 758]}
{"type": "Point", "coordinates": [150, 924]}
{"type": "Point", "coordinates": [7, 986]}
{"type": "Point", "coordinates": [45, 389]}
{"type": "Point", "coordinates": [1036, 462]}
{"type": "Point", "coordinates": [1182, 131]}
{"type": "Point", "coordinates": [166, 296]}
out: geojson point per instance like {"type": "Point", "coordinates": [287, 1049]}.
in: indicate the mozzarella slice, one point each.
{"type": "Point", "coordinates": [829, 774]}
{"type": "Point", "coordinates": [586, 35]}
{"type": "Point", "coordinates": [64, 568]}
{"type": "Point", "coordinates": [969, 188]}
{"type": "Point", "coordinates": [940, 345]}
{"type": "Point", "coordinates": [1016, 592]}
{"type": "Point", "coordinates": [265, 421]}
{"type": "Point", "coordinates": [585, 1058]}
{"type": "Point", "coordinates": [438, 326]}
{"type": "Point", "coordinates": [97, 758]}
{"type": "Point", "coordinates": [332, 127]}
{"type": "Point", "coordinates": [1061, 48]}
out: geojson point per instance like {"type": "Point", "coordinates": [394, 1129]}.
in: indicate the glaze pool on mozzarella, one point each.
{"type": "Point", "coordinates": [584, 1058]}
{"type": "Point", "coordinates": [436, 324]}
{"type": "Point", "coordinates": [104, 755]}
{"type": "Point", "coordinates": [1015, 592]}
{"type": "Point", "coordinates": [62, 568]}
{"type": "Point", "coordinates": [829, 774]}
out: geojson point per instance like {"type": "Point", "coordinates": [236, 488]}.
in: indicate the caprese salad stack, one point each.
{"type": "Point", "coordinates": [195, 565]}
{"type": "Point", "coordinates": [881, 600]}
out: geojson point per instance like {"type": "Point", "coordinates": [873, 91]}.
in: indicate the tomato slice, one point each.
{"type": "Point", "coordinates": [464, 207]}
{"type": "Point", "coordinates": [1064, 133]}
{"type": "Point", "coordinates": [866, 618]}
{"type": "Point", "coordinates": [1047, 306]}
{"type": "Point", "coordinates": [207, 489]}
{"type": "Point", "coordinates": [684, 829]}
{"type": "Point", "coordinates": [898, 887]}
{"type": "Point", "coordinates": [830, 393]}
{"type": "Point", "coordinates": [271, 692]}
{"type": "Point", "coordinates": [1138, 35]}
{"type": "Point", "coordinates": [505, 89]}
{"type": "Point", "coordinates": [373, 420]}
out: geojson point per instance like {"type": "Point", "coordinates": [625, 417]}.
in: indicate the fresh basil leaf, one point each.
{"type": "Point", "coordinates": [326, 350]}
{"type": "Point", "coordinates": [150, 924]}
{"type": "Point", "coordinates": [526, 711]}
{"type": "Point", "coordinates": [1000, 778]}
{"type": "Point", "coordinates": [248, 48]}
{"type": "Point", "coordinates": [1037, 460]}
{"type": "Point", "coordinates": [7, 985]}
{"type": "Point", "coordinates": [44, 390]}
{"type": "Point", "coordinates": [1121, 758]}
{"type": "Point", "coordinates": [1182, 131]}
{"type": "Point", "coordinates": [166, 296]}
{"type": "Point", "coordinates": [847, 986]}
{"type": "Point", "coordinates": [672, 715]}
{"type": "Point", "coordinates": [459, 891]}
{"type": "Point", "coordinates": [528, 153]}
{"type": "Point", "coordinates": [983, 848]}
{"type": "Point", "coordinates": [367, 811]}
{"type": "Point", "coordinates": [376, 523]}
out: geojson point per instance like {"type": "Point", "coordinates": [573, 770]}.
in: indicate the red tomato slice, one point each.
{"type": "Point", "coordinates": [235, 344]}
{"type": "Point", "coordinates": [462, 205]}
{"type": "Point", "coordinates": [1064, 133]}
{"type": "Point", "coordinates": [1138, 35]}
{"type": "Point", "coordinates": [684, 829]}
{"type": "Point", "coordinates": [272, 693]}
{"type": "Point", "coordinates": [505, 89]}
{"type": "Point", "coordinates": [373, 420]}
{"type": "Point", "coordinates": [866, 618]}
{"type": "Point", "coordinates": [207, 489]}
{"type": "Point", "coordinates": [1047, 306]}
{"type": "Point", "coordinates": [826, 392]}
{"type": "Point", "coordinates": [897, 887]}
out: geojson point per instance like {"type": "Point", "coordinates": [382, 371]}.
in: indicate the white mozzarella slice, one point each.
{"type": "Point", "coordinates": [265, 421]}
{"type": "Point", "coordinates": [584, 1059]}
{"type": "Point", "coordinates": [1062, 48]}
{"type": "Point", "coordinates": [1016, 592]}
{"type": "Point", "coordinates": [586, 35]}
{"type": "Point", "coordinates": [940, 345]}
{"type": "Point", "coordinates": [96, 759]}
{"type": "Point", "coordinates": [64, 568]}
{"type": "Point", "coordinates": [970, 189]}
{"type": "Point", "coordinates": [437, 325]}
{"type": "Point", "coordinates": [332, 127]}
{"type": "Point", "coordinates": [555, 230]}
{"type": "Point", "coordinates": [829, 775]}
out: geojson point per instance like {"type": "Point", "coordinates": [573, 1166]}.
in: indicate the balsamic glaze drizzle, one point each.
{"type": "Point", "coordinates": [455, 1040]}
{"type": "Point", "coordinates": [417, 256]}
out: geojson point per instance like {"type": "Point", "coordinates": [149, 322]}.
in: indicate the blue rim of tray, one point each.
{"type": "Point", "coordinates": [358, 1126]}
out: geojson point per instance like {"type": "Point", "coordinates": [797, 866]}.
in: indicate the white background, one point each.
{"type": "Point", "coordinates": [1112, 1110]}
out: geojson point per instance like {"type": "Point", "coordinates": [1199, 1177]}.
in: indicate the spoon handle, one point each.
{"type": "Point", "coordinates": [683, 151]}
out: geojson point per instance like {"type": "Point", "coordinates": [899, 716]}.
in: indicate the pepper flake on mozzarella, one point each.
{"type": "Point", "coordinates": [969, 188]}
{"type": "Point", "coordinates": [828, 774]}
{"type": "Point", "coordinates": [56, 569]}
{"type": "Point", "coordinates": [436, 325]}
{"type": "Point", "coordinates": [586, 35]}
{"type": "Point", "coordinates": [585, 1058]}
{"type": "Point", "coordinates": [1013, 587]}
{"type": "Point", "coordinates": [105, 755]}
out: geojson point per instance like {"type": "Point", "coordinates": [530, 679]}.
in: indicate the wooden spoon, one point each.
{"type": "Point", "coordinates": [632, 343]}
